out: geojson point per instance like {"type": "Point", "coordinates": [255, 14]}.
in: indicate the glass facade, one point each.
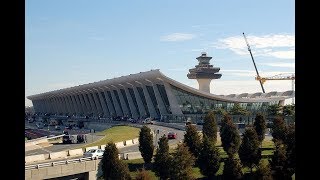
{"type": "Point", "coordinates": [194, 104]}
{"type": "Point", "coordinates": [164, 97]}
{"type": "Point", "coordinates": [133, 97]}
{"type": "Point", "coordinates": [126, 100]}
{"type": "Point", "coordinates": [144, 102]}
{"type": "Point", "coordinates": [153, 99]}
{"type": "Point", "coordinates": [118, 99]}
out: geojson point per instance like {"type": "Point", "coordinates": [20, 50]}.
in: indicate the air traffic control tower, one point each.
{"type": "Point", "coordinates": [204, 72]}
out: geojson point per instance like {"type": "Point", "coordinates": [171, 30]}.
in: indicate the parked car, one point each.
{"type": "Point", "coordinates": [172, 135]}
{"type": "Point", "coordinates": [148, 121]}
{"type": "Point", "coordinates": [57, 128]}
{"type": "Point", "coordinates": [94, 153]}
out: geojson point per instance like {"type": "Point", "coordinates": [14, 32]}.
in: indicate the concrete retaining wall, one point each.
{"type": "Point", "coordinates": [103, 147]}
{"type": "Point", "coordinates": [128, 143]}
{"type": "Point", "coordinates": [119, 145]}
{"type": "Point", "coordinates": [132, 155]}
{"type": "Point", "coordinates": [92, 147]}
{"type": "Point", "coordinates": [34, 158]}
{"type": "Point", "coordinates": [56, 155]}
{"type": "Point", "coordinates": [75, 152]}
{"type": "Point", "coordinates": [135, 141]}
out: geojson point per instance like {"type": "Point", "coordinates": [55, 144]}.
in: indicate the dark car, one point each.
{"type": "Point", "coordinates": [172, 135]}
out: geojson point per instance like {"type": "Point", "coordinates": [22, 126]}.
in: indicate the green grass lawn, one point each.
{"type": "Point", "coordinates": [116, 134]}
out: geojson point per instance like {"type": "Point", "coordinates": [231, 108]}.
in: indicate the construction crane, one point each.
{"type": "Point", "coordinates": [284, 76]}
{"type": "Point", "coordinates": [249, 49]}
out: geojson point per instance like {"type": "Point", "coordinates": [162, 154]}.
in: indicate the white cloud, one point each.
{"type": "Point", "coordinates": [250, 73]}
{"type": "Point", "coordinates": [221, 87]}
{"type": "Point", "coordinates": [177, 37]}
{"type": "Point", "coordinates": [266, 45]}
{"type": "Point", "coordinates": [290, 54]}
{"type": "Point", "coordinates": [288, 65]}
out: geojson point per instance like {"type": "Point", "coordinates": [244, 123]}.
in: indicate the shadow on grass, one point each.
{"type": "Point", "coordinates": [137, 166]}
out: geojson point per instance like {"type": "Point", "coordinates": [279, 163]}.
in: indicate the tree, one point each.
{"type": "Point", "coordinates": [260, 126]}
{"type": "Point", "coordinates": [278, 163]}
{"type": "Point", "coordinates": [291, 150]}
{"type": "Point", "coordinates": [182, 162]}
{"type": "Point", "coordinates": [230, 137]}
{"type": "Point", "coordinates": [238, 110]}
{"type": "Point", "coordinates": [192, 140]}
{"type": "Point", "coordinates": [249, 151]}
{"type": "Point", "coordinates": [263, 171]}
{"type": "Point", "coordinates": [210, 128]}
{"type": "Point", "coordinates": [279, 130]}
{"type": "Point", "coordinates": [112, 167]}
{"type": "Point", "coordinates": [162, 159]}
{"type": "Point", "coordinates": [220, 111]}
{"type": "Point", "coordinates": [209, 159]}
{"type": "Point", "coordinates": [288, 110]}
{"type": "Point", "coordinates": [274, 110]}
{"type": "Point", "coordinates": [143, 175]}
{"type": "Point", "coordinates": [232, 168]}
{"type": "Point", "coordinates": [146, 144]}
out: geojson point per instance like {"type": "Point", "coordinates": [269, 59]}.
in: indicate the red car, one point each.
{"type": "Point", "coordinates": [172, 135]}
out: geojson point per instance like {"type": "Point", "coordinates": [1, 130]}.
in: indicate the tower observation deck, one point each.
{"type": "Point", "coordinates": [204, 72]}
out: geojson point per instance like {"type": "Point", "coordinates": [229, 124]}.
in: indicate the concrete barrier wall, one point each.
{"type": "Point", "coordinates": [92, 147]}
{"type": "Point", "coordinates": [56, 155]}
{"type": "Point", "coordinates": [129, 142]}
{"type": "Point", "coordinates": [75, 152]}
{"type": "Point", "coordinates": [135, 141]}
{"type": "Point", "coordinates": [34, 158]}
{"type": "Point", "coordinates": [132, 155]}
{"type": "Point", "coordinates": [103, 147]}
{"type": "Point", "coordinates": [119, 145]}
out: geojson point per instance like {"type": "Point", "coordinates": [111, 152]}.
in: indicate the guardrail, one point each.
{"type": "Point", "coordinates": [40, 138]}
{"type": "Point", "coordinates": [51, 164]}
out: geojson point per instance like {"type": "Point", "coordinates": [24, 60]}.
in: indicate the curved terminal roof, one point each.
{"type": "Point", "coordinates": [156, 75]}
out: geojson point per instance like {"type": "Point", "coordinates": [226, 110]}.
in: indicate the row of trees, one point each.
{"type": "Point", "coordinates": [202, 151]}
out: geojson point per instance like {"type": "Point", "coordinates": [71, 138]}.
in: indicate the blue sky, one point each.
{"type": "Point", "coordinates": [74, 42]}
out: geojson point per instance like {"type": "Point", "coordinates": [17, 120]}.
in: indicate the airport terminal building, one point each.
{"type": "Point", "coordinates": [145, 94]}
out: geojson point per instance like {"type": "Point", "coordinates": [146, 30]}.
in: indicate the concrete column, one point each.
{"type": "Point", "coordinates": [92, 175]}
{"type": "Point", "coordinates": [96, 101]}
{"type": "Point", "coordinates": [174, 106]}
{"type": "Point", "coordinates": [78, 105]}
{"type": "Point", "coordinates": [74, 104]}
{"type": "Point", "coordinates": [69, 110]}
{"type": "Point", "coordinates": [85, 103]}
{"type": "Point", "coordinates": [93, 106]}
{"type": "Point", "coordinates": [43, 106]}
{"type": "Point", "coordinates": [123, 103]}
{"type": "Point", "coordinates": [63, 105]}
{"type": "Point", "coordinates": [57, 104]}
{"type": "Point", "coordinates": [46, 104]}
{"type": "Point", "coordinates": [152, 111]}
{"type": "Point", "coordinates": [76, 96]}
{"type": "Point", "coordinates": [133, 109]}
{"type": "Point", "coordinates": [142, 110]}
{"type": "Point", "coordinates": [54, 106]}
{"type": "Point", "coordinates": [116, 104]}
{"type": "Point", "coordinates": [161, 105]}
{"type": "Point", "coordinates": [103, 104]}
{"type": "Point", "coordinates": [89, 103]}
{"type": "Point", "coordinates": [112, 110]}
